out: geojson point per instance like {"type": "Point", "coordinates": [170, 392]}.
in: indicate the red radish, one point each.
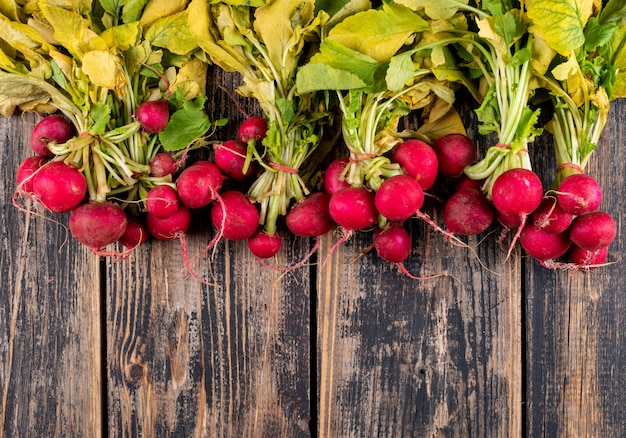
{"type": "Point", "coordinates": [333, 179]}
{"type": "Point", "coordinates": [253, 128]}
{"type": "Point", "coordinates": [454, 153]}
{"type": "Point", "coordinates": [26, 170]}
{"type": "Point", "coordinates": [508, 220]}
{"type": "Point", "coordinates": [162, 201]}
{"type": "Point", "coordinates": [468, 183]}
{"type": "Point", "coordinates": [592, 231]}
{"type": "Point", "coordinates": [54, 128]}
{"type": "Point", "coordinates": [310, 217]}
{"type": "Point", "coordinates": [230, 157]}
{"type": "Point", "coordinates": [163, 164]}
{"type": "Point", "coordinates": [153, 116]}
{"type": "Point", "coordinates": [392, 243]}
{"type": "Point", "coordinates": [585, 258]}
{"type": "Point", "coordinates": [517, 192]}
{"type": "Point", "coordinates": [579, 194]}
{"type": "Point", "coordinates": [399, 197]}
{"type": "Point", "coordinates": [353, 208]}
{"type": "Point", "coordinates": [264, 245]}
{"type": "Point", "coordinates": [468, 212]}
{"type": "Point", "coordinates": [172, 227]}
{"type": "Point", "coordinates": [551, 217]}
{"type": "Point", "coordinates": [419, 160]}
{"type": "Point", "coordinates": [60, 187]}
{"type": "Point", "coordinates": [541, 245]}
{"type": "Point", "coordinates": [235, 215]}
{"type": "Point", "coordinates": [136, 233]}
{"type": "Point", "coordinates": [98, 224]}
{"type": "Point", "coordinates": [199, 184]}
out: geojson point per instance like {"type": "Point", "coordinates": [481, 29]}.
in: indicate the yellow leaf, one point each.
{"type": "Point", "coordinates": [191, 79]}
{"type": "Point", "coordinates": [567, 69]}
{"type": "Point", "coordinates": [123, 36]}
{"type": "Point", "coordinates": [156, 9]}
{"type": "Point", "coordinates": [103, 68]}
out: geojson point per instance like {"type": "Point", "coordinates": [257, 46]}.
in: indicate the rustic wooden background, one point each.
{"type": "Point", "coordinates": [90, 348]}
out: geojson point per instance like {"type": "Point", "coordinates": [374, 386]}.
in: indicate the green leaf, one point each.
{"type": "Point", "coordinates": [560, 22]}
{"type": "Point", "coordinates": [597, 34]}
{"type": "Point", "coordinates": [317, 76]}
{"type": "Point", "coordinates": [437, 10]}
{"type": "Point", "coordinates": [111, 6]}
{"type": "Point", "coordinates": [172, 33]}
{"type": "Point", "coordinates": [401, 71]}
{"type": "Point", "coordinates": [614, 10]}
{"type": "Point", "coordinates": [378, 33]}
{"type": "Point", "coordinates": [132, 9]}
{"type": "Point", "coordinates": [101, 116]}
{"type": "Point", "coordinates": [186, 125]}
{"type": "Point", "coordinates": [509, 26]}
{"type": "Point", "coordinates": [341, 57]}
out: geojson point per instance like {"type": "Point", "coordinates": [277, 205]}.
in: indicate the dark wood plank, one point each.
{"type": "Point", "coordinates": [50, 333]}
{"type": "Point", "coordinates": [403, 357]}
{"type": "Point", "coordinates": [576, 354]}
{"type": "Point", "coordinates": [226, 358]}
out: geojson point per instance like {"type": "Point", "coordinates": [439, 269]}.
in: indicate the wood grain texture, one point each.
{"type": "Point", "coordinates": [432, 357]}
{"type": "Point", "coordinates": [576, 353]}
{"type": "Point", "coordinates": [50, 331]}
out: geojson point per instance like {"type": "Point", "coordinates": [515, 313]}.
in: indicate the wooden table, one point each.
{"type": "Point", "coordinates": [494, 348]}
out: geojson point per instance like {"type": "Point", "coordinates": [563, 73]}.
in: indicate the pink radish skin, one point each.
{"type": "Point", "coordinates": [263, 245]}
{"type": "Point", "coordinates": [399, 197]}
{"type": "Point", "coordinates": [311, 216]}
{"type": "Point", "coordinates": [162, 201]}
{"type": "Point", "coordinates": [26, 170]}
{"type": "Point", "coordinates": [153, 116]}
{"type": "Point", "coordinates": [419, 160]}
{"type": "Point", "coordinates": [454, 153]}
{"type": "Point", "coordinates": [170, 228]}
{"type": "Point", "coordinates": [239, 215]}
{"type": "Point", "coordinates": [588, 259]}
{"type": "Point", "coordinates": [60, 187]}
{"type": "Point", "coordinates": [468, 212]}
{"type": "Point", "coordinates": [551, 217]}
{"type": "Point", "coordinates": [54, 128]}
{"type": "Point", "coordinates": [253, 128]}
{"type": "Point", "coordinates": [392, 243]}
{"type": "Point", "coordinates": [517, 192]}
{"type": "Point", "coordinates": [98, 224]}
{"type": "Point", "coordinates": [163, 164]}
{"type": "Point", "coordinates": [542, 245]}
{"type": "Point", "coordinates": [353, 208]}
{"type": "Point", "coordinates": [509, 220]}
{"type": "Point", "coordinates": [579, 194]}
{"type": "Point", "coordinates": [230, 157]}
{"type": "Point", "coordinates": [198, 184]}
{"type": "Point", "coordinates": [592, 231]}
{"type": "Point", "coordinates": [135, 234]}
{"type": "Point", "coordinates": [333, 180]}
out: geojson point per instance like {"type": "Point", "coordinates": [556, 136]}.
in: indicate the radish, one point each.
{"type": "Point", "coordinates": [98, 224]}
{"type": "Point", "coordinates": [551, 217]}
{"type": "Point", "coordinates": [419, 160]}
{"type": "Point", "coordinates": [162, 201]}
{"type": "Point", "coordinates": [263, 245]}
{"type": "Point", "coordinates": [392, 243]}
{"type": "Point", "coordinates": [230, 157]}
{"type": "Point", "coordinates": [172, 227]}
{"type": "Point", "coordinates": [54, 128]}
{"type": "Point", "coordinates": [310, 217]}
{"type": "Point", "coordinates": [199, 184]}
{"type": "Point", "coordinates": [466, 182]}
{"type": "Point", "coordinates": [468, 212]}
{"type": "Point", "coordinates": [153, 116]}
{"type": "Point", "coordinates": [26, 170]}
{"type": "Point", "coordinates": [253, 128]}
{"type": "Point", "coordinates": [542, 245]}
{"type": "Point", "coordinates": [235, 215]}
{"type": "Point", "coordinates": [592, 231]}
{"type": "Point", "coordinates": [135, 233]}
{"type": "Point", "coordinates": [353, 208]}
{"type": "Point", "coordinates": [508, 221]}
{"type": "Point", "coordinates": [399, 197]}
{"type": "Point", "coordinates": [588, 259]}
{"type": "Point", "coordinates": [517, 191]}
{"type": "Point", "coordinates": [163, 164]}
{"type": "Point", "coordinates": [334, 175]}
{"type": "Point", "coordinates": [60, 187]}
{"type": "Point", "coordinates": [579, 194]}
{"type": "Point", "coordinates": [454, 153]}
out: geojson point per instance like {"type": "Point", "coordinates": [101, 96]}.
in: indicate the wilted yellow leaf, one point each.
{"type": "Point", "coordinates": [191, 79]}
{"type": "Point", "coordinates": [103, 68]}
{"type": "Point", "coordinates": [156, 9]}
